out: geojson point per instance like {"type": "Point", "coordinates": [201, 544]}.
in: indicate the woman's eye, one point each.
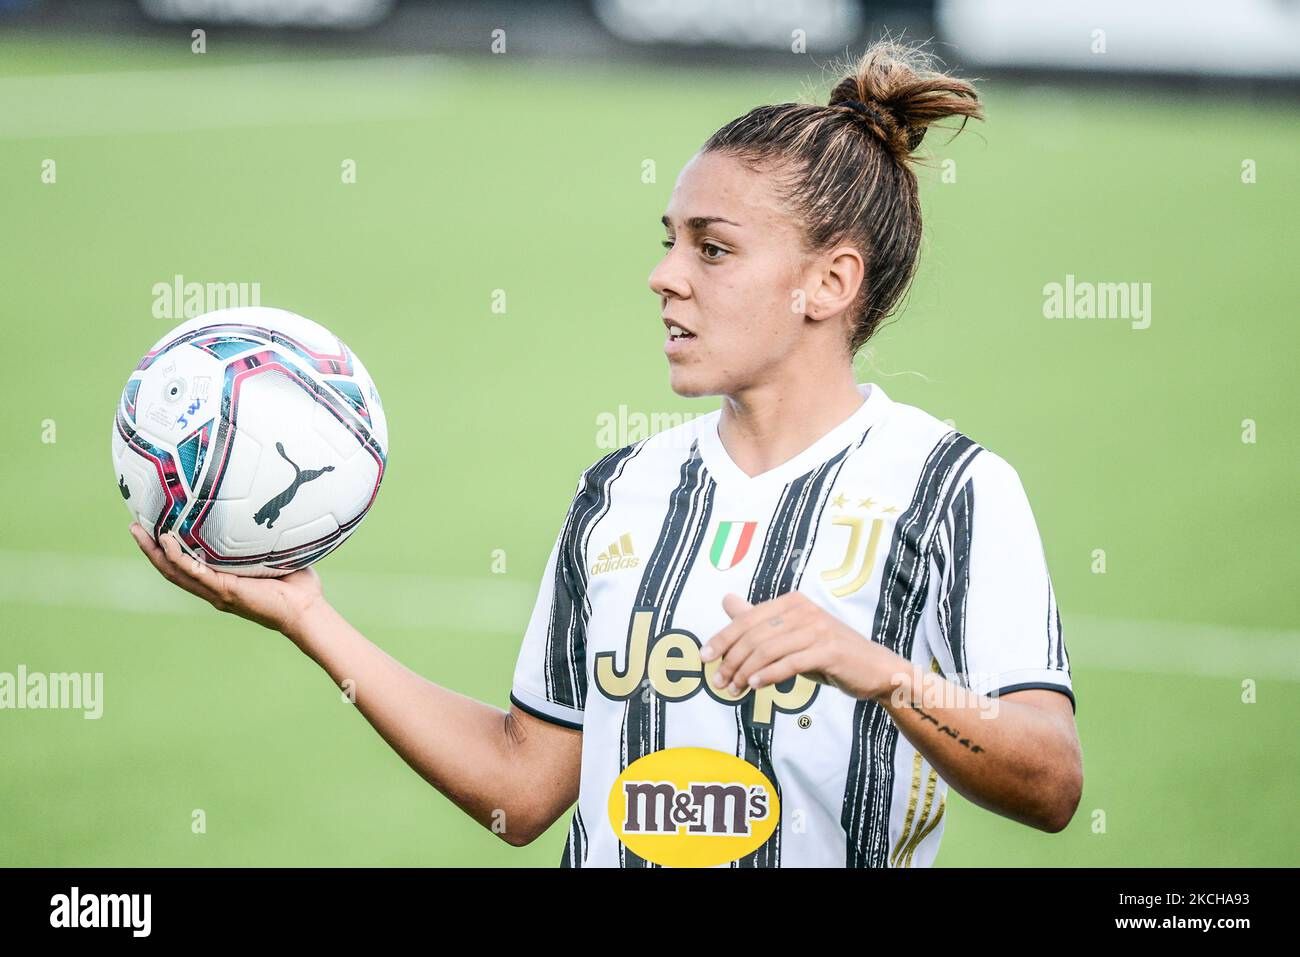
{"type": "Point", "coordinates": [709, 250]}
{"type": "Point", "coordinates": [668, 244]}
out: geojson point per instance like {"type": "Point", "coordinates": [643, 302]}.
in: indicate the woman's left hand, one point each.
{"type": "Point", "coordinates": [792, 635]}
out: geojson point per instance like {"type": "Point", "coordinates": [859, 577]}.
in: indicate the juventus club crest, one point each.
{"type": "Point", "coordinates": [731, 543]}
{"type": "Point", "coordinates": [866, 524]}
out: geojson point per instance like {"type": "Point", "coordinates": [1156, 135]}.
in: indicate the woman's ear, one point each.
{"type": "Point", "coordinates": [840, 275]}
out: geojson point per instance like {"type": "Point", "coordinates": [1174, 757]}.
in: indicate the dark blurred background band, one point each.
{"type": "Point", "coordinates": [1250, 41]}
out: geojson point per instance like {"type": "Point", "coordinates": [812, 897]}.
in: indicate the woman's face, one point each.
{"type": "Point", "coordinates": [733, 277]}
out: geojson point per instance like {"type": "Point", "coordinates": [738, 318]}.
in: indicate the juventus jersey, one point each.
{"type": "Point", "coordinates": [895, 523]}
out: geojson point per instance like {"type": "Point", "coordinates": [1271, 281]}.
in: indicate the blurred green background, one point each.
{"type": "Point", "coordinates": [481, 174]}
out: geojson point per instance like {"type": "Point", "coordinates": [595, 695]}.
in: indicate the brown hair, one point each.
{"type": "Point", "coordinates": [846, 168]}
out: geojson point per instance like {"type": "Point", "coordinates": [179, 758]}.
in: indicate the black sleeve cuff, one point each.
{"type": "Point", "coordinates": [1038, 684]}
{"type": "Point", "coordinates": [552, 719]}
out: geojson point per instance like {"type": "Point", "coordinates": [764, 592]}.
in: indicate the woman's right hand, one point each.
{"type": "Point", "coordinates": [275, 603]}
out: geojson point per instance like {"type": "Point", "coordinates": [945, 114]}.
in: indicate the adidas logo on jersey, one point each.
{"type": "Point", "coordinates": [618, 555]}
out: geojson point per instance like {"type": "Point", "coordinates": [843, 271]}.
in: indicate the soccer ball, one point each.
{"type": "Point", "coordinates": [256, 435]}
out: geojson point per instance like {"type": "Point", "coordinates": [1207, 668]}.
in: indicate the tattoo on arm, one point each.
{"type": "Point", "coordinates": [949, 731]}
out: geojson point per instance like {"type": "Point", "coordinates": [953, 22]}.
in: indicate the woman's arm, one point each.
{"type": "Point", "coordinates": [1018, 755]}
{"type": "Point", "coordinates": [513, 773]}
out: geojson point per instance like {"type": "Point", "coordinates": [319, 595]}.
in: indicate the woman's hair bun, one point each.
{"type": "Point", "coordinates": [898, 92]}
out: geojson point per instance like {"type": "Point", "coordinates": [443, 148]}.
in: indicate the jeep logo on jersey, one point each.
{"type": "Point", "coordinates": [671, 665]}
{"type": "Point", "coordinates": [693, 807]}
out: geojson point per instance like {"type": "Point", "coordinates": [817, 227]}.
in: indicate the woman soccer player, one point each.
{"type": "Point", "coordinates": [774, 635]}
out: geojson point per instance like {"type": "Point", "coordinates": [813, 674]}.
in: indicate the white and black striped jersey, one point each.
{"type": "Point", "coordinates": [894, 522]}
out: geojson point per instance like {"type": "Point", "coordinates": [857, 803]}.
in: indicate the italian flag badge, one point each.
{"type": "Point", "coordinates": [731, 543]}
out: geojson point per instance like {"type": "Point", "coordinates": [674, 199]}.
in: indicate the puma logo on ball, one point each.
{"type": "Point", "coordinates": [269, 512]}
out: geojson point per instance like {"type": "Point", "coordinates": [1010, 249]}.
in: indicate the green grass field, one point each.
{"type": "Point", "coordinates": [488, 174]}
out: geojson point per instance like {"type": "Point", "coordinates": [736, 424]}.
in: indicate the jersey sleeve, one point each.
{"type": "Point", "coordinates": [550, 679]}
{"type": "Point", "coordinates": [997, 622]}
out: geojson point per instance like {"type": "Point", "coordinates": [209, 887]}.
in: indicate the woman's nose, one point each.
{"type": "Point", "coordinates": [668, 280]}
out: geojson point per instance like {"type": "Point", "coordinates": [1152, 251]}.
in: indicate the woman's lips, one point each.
{"type": "Point", "coordinates": [679, 341]}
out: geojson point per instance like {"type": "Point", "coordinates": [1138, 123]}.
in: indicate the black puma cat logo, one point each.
{"type": "Point", "coordinates": [122, 487]}
{"type": "Point", "coordinates": [269, 512]}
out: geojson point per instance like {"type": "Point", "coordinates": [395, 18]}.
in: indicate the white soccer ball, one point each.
{"type": "Point", "coordinates": [256, 435]}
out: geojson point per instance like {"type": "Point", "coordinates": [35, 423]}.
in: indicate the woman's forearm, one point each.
{"type": "Point", "coordinates": [470, 751]}
{"type": "Point", "coordinates": [1009, 757]}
